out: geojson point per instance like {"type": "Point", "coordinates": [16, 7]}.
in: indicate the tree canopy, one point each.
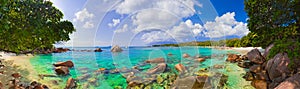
{"type": "Point", "coordinates": [275, 22]}
{"type": "Point", "coordinates": [28, 25]}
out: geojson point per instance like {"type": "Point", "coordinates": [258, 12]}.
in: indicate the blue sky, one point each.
{"type": "Point", "coordinates": [146, 22]}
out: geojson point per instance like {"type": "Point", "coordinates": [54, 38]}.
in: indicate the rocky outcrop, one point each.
{"type": "Point", "coordinates": [71, 84]}
{"type": "Point", "coordinates": [267, 50]}
{"type": "Point", "coordinates": [160, 68]}
{"type": "Point", "coordinates": [116, 48]}
{"type": "Point", "coordinates": [255, 56]}
{"type": "Point", "coordinates": [255, 68]}
{"type": "Point", "coordinates": [60, 50]}
{"type": "Point", "coordinates": [156, 60]}
{"type": "Point", "coordinates": [62, 70]}
{"type": "Point", "coordinates": [292, 82]}
{"type": "Point", "coordinates": [245, 64]}
{"type": "Point", "coordinates": [98, 50]}
{"type": "Point", "coordinates": [277, 68]}
{"type": "Point", "coordinates": [68, 63]}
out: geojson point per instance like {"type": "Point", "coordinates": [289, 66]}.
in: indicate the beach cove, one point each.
{"type": "Point", "coordinates": [86, 63]}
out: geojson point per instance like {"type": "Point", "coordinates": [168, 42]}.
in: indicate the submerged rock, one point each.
{"type": "Point", "coordinates": [68, 63]}
{"type": "Point", "coordinates": [160, 68]}
{"type": "Point", "coordinates": [180, 68]}
{"type": "Point", "coordinates": [71, 84]}
{"type": "Point", "coordinates": [200, 59]}
{"type": "Point", "coordinates": [156, 60]}
{"type": "Point", "coordinates": [185, 55]}
{"type": "Point", "coordinates": [16, 75]}
{"type": "Point", "coordinates": [116, 48]}
{"type": "Point", "coordinates": [62, 70]}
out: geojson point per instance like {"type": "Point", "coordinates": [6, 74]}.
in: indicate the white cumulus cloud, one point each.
{"type": "Point", "coordinates": [83, 15]}
{"type": "Point", "coordinates": [123, 29]}
{"type": "Point", "coordinates": [226, 25]}
{"type": "Point", "coordinates": [88, 25]}
{"type": "Point", "coordinates": [114, 23]}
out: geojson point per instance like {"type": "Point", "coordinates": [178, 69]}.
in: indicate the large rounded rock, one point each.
{"type": "Point", "coordinates": [259, 84]}
{"type": "Point", "coordinates": [180, 68]}
{"type": "Point", "coordinates": [290, 83]}
{"type": "Point", "coordinates": [277, 68]}
{"type": "Point", "coordinates": [68, 63]}
{"type": "Point", "coordinates": [200, 59]}
{"type": "Point", "coordinates": [116, 48]}
{"type": "Point", "coordinates": [62, 70]}
{"type": "Point", "coordinates": [71, 84]}
{"type": "Point", "coordinates": [160, 68]}
{"type": "Point", "coordinates": [156, 60]}
{"type": "Point", "coordinates": [255, 56]}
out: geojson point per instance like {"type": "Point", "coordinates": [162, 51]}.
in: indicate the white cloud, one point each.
{"type": "Point", "coordinates": [156, 36]}
{"type": "Point", "coordinates": [182, 32]}
{"type": "Point", "coordinates": [115, 23]}
{"type": "Point", "coordinates": [156, 13]}
{"type": "Point", "coordinates": [83, 15]}
{"type": "Point", "coordinates": [88, 25]}
{"type": "Point", "coordinates": [226, 25]}
{"type": "Point", "coordinates": [153, 18]}
{"type": "Point", "coordinates": [123, 29]}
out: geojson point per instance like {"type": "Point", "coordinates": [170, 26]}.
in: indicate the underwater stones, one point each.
{"type": "Point", "coordinates": [68, 63]}
{"type": "Point", "coordinates": [71, 84]}
{"type": "Point", "coordinates": [200, 59]}
{"type": "Point", "coordinates": [160, 68]}
{"type": "Point", "coordinates": [98, 50]}
{"type": "Point", "coordinates": [180, 68]}
{"type": "Point", "coordinates": [54, 82]}
{"type": "Point", "coordinates": [255, 56]}
{"type": "Point", "coordinates": [62, 70]}
{"type": "Point", "coordinates": [156, 60]}
{"type": "Point", "coordinates": [116, 48]}
{"type": "Point", "coordinates": [191, 82]}
{"type": "Point", "coordinates": [185, 55]}
{"type": "Point", "coordinates": [218, 66]}
{"type": "Point", "coordinates": [92, 81]}
{"type": "Point", "coordinates": [84, 77]}
{"type": "Point", "coordinates": [259, 84]}
{"type": "Point", "coordinates": [233, 58]}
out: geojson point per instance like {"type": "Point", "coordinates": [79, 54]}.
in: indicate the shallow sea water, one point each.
{"type": "Point", "coordinates": [86, 63]}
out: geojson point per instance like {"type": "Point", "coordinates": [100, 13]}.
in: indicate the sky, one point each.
{"type": "Point", "coordinates": [148, 22]}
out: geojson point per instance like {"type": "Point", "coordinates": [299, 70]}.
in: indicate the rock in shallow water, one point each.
{"type": "Point", "coordinates": [68, 63]}
{"type": "Point", "coordinates": [62, 70]}
{"type": "Point", "coordinates": [71, 84]}
{"type": "Point", "coordinates": [160, 68]}
{"type": "Point", "coordinates": [255, 56]}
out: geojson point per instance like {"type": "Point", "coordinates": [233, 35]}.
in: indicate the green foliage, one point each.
{"type": "Point", "coordinates": [275, 21]}
{"type": "Point", "coordinates": [28, 25]}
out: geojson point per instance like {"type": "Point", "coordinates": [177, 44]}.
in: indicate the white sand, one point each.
{"type": "Point", "coordinates": [245, 50]}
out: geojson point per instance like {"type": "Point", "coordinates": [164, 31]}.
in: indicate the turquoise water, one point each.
{"type": "Point", "coordinates": [86, 63]}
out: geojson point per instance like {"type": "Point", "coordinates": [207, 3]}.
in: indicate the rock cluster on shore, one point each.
{"type": "Point", "coordinates": [11, 77]}
{"type": "Point", "coordinates": [268, 74]}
